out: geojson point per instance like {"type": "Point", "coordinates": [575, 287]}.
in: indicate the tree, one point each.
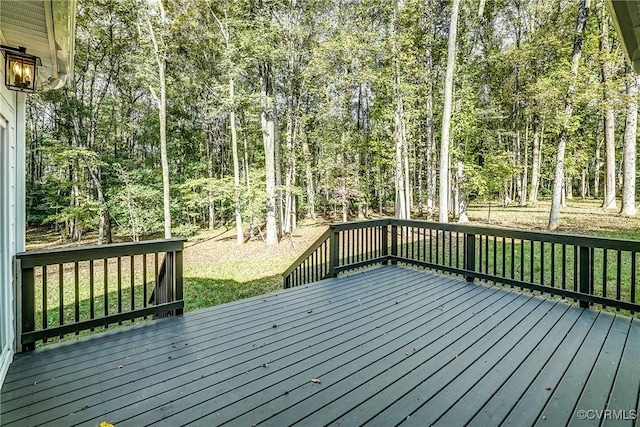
{"type": "Point", "coordinates": [629, 150]}
{"type": "Point", "coordinates": [446, 114]}
{"type": "Point", "coordinates": [606, 66]}
{"type": "Point", "coordinates": [226, 35]}
{"type": "Point", "coordinates": [159, 50]}
{"type": "Point", "coordinates": [581, 23]}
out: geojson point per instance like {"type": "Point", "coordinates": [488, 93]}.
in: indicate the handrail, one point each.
{"type": "Point", "coordinates": [591, 270]}
{"type": "Point", "coordinates": [87, 253]}
{"type": "Point", "coordinates": [103, 289]}
{"type": "Point", "coordinates": [315, 245]}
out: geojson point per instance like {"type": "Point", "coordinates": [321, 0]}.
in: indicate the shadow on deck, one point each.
{"type": "Point", "coordinates": [388, 346]}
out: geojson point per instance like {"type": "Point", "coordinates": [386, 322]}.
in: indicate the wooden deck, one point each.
{"type": "Point", "coordinates": [387, 346]}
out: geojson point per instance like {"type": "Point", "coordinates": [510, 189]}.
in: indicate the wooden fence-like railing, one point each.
{"type": "Point", "coordinates": [65, 291]}
{"type": "Point", "coordinates": [591, 270]}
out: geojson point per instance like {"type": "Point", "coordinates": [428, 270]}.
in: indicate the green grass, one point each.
{"type": "Point", "coordinates": [539, 264]}
{"type": "Point", "coordinates": [217, 271]}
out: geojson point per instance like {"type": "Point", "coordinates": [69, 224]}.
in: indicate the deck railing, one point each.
{"type": "Point", "coordinates": [345, 246]}
{"type": "Point", "coordinates": [65, 291]}
{"type": "Point", "coordinates": [591, 270]}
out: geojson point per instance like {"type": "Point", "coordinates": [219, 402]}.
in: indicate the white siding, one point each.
{"type": "Point", "coordinates": [12, 214]}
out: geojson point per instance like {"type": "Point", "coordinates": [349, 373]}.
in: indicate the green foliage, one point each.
{"type": "Point", "coordinates": [339, 70]}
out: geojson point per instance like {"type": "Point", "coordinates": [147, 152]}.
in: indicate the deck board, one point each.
{"type": "Point", "coordinates": [390, 346]}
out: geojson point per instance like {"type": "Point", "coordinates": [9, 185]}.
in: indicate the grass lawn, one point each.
{"type": "Point", "coordinates": [217, 271]}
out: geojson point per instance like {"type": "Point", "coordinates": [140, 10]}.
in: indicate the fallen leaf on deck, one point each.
{"type": "Point", "coordinates": [315, 380]}
{"type": "Point", "coordinates": [106, 424]}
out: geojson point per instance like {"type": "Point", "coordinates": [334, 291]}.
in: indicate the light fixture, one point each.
{"type": "Point", "coordinates": [19, 69]}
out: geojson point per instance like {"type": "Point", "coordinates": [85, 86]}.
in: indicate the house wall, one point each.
{"type": "Point", "coordinates": [12, 213]}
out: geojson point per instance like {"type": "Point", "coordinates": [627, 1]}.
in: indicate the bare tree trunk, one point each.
{"type": "Point", "coordinates": [290, 173]}
{"type": "Point", "coordinates": [554, 214]}
{"type": "Point", "coordinates": [210, 196]}
{"type": "Point", "coordinates": [536, 160]}
{"type": "Point", "coordinates": [161, 101]}
{"type": "Point", "coordinates": [597, 165]}
{"type": "Point", "coordinates": [629, 150]}
{"type": "Point", "coordinates": [446, 114]}
{"type": "Point", "coordinates": [431, 146]}
{"type": "Point", "coordinates": [308, 170]}
{"type": "Point", "coordinates": [525, 168]}
{"type": "Point", "coordinates": [268, 137]}
{"type": "Point", "coordinates": [609, 201]}
{"type": "Point", "coordinates": [236, 164]}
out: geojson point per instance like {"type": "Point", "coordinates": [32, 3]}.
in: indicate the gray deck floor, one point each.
{"type": "Point", "coordinates": [387, 346]}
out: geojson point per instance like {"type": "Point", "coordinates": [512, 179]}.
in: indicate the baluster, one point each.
{"type": "Point", "coordinates": [76, 291]}
{"type": "Point", "coordinates": [105, 284]}
{"type": "Point", "coordinates": [522, 260]}
{"type": "Point", "coordinates": [553, 264]}
{"type": "Point", "coordinates": [633, 277]}
{"type": "Point", "coordinates": [618, 274]}
{"type": "Point", "coordinates": [92, 313]}
{"type": "Point", "coordinates": [495, 254]}
{"type": "Point", "coordinates": [513, 257]}
{"type": "Point", "coordinates": [61, 295]}
{"type": "Point", "coordinates": [144, 281]}
{"type": "Point", "coordinates": [45, 322]}
{"type": "Point", "coordinates": [133, 284]}
{"type": "Point", "coordinates": [542, 263]}
{"type": "Point", "coordinates": [486, 254]}
{"type": "Point", "coordinates": [605, 268]}
{"type": "Point", "coordinates": [504, 256]}
{"type": "Point", "coordinates": [531, 261]}
{"type": "Point", "coordinates": [564, 266]}
{"type": "Point", "coordinates": [120, 283]}
{"type": "Point", "coordinates": [575, 268]}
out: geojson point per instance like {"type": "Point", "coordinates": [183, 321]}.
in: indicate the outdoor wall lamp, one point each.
{"type": "Point", "coordinates": [19, 69]}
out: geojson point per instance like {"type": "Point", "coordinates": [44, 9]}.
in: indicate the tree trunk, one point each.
{"type": "Point", "coordinates": [629, 150]}
{"type": "Point", "coordinates": [236, 164]}
{"type": "Point", "coordinates": [431, 146]}
{"type": "Point", "coordinates": [536, 160]}
{"type": "Point", "coordinates": [609, 201]}
{"type": "Point", "coordinates": [162, 115]}
{"type": "Point", "coordinates": [525, 167]}
{"type": "Point", "coordinates": [554, 214]}
{"type": "Point", "coordinates": [446, 114]}
{"type": "Point", "coordinates": [290, 173]}
{"type": "Point", "coordinates": [210, 196]}
{"type": "Point", "coordinates": [268, 137]}
{"type": "Point", "coordinates": [308, 170]}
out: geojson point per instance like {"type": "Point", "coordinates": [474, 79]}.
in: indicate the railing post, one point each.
{"type": "Point", "coordinates": [469, 254]}
{"type": "Point", "coordinates": [179, 295]}
{"type": "Point", "coordinates": [28, 315]}
{"type": "Point", "coordinates": [585, 274]}
{"type": "Point", "coordinates": [334, 254]}
{"type": "Point", "coordinates": [394, 243]}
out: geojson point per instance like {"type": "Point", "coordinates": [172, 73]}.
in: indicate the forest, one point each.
{"type": "Point", "coordinates": [184, 115]}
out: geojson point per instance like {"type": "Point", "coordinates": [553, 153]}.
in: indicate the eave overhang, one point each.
{"type": "Point", "coordinates": [626, 20]}
{"type": "Point", "coordinates": [46, 28]}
